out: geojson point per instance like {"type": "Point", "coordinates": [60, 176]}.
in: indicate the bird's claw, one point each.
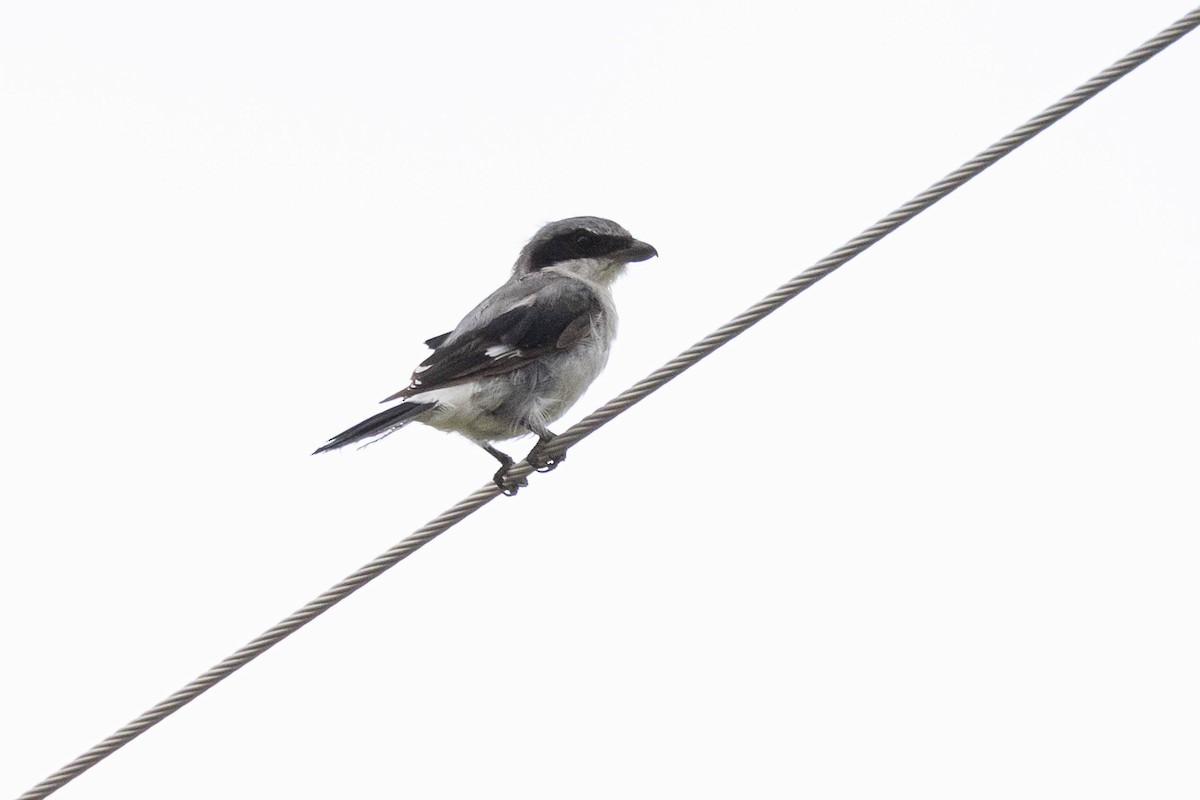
{"type": "Point", "coordinates": [542, 461]}
{"type": "Point", "coordinates": [507, 488]}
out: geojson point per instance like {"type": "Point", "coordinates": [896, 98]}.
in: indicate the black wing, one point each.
{"type": "Point", "coordinates": [545, 313]}
{"type": "Point", "coordinates": [437, 341]}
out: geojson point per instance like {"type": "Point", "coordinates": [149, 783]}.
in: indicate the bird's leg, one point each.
{"type": "Point", "coordinates": [508, 489]}
{"type": "Point", "coordinates": [538, 458]}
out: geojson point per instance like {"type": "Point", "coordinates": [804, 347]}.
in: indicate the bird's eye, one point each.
{"type": "Point", "coordinates": [584, 240]}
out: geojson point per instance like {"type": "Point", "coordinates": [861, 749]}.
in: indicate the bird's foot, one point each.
{"type": "Point", "coordinates": [508, 488]}
{"type": "Point", "coordinates": [541, 459]}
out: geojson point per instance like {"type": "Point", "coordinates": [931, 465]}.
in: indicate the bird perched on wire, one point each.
{"type": "Point", "coordinates": [524, 355]}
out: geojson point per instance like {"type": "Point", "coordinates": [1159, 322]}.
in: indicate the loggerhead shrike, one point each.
{"type": "Point", "coordinates": [524, 355]}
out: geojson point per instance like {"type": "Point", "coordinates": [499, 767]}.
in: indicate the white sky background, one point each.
{"type": "Point", "coordinates": [930, 531]}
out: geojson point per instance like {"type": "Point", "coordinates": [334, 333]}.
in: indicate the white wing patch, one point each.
{"type": "Point", "coordinates": [498, 351]}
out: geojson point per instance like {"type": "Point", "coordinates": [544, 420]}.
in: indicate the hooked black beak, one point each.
{"type": "Point", "coordinates": [638, 251]}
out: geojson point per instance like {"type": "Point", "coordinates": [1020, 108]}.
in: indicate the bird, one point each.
{"type": "Point", "coordinates": [522, 357]}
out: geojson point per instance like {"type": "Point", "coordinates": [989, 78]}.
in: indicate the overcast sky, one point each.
{"type": "Point", "coordinates": [931, 531]}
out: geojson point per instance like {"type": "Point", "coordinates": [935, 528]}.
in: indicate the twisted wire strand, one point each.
{"type": "Point", "coordinates": [621, 403]}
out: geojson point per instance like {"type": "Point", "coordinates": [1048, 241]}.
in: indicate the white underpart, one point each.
{"type": "Point", "coordinates": [457, 409]}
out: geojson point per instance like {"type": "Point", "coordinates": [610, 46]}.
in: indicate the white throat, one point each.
{"type": "Point", "coordinates": [602, 271]}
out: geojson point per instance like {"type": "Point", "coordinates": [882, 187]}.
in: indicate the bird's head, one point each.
{"type": "Point", "coordinates": [591, 247]}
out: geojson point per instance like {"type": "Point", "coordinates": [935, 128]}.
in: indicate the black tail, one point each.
{"type": "Point", "coordinates": [383, 422]}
